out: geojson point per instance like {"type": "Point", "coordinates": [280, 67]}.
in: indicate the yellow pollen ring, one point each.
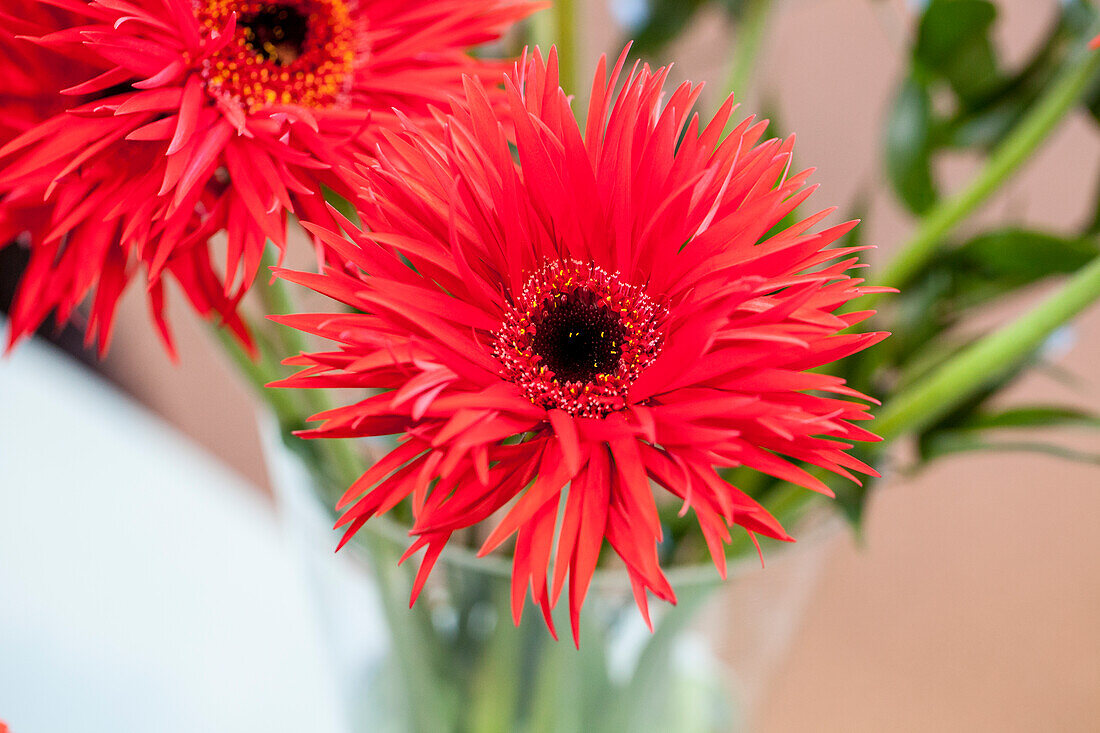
{"type": "Point", "coordinates": [311, 66]}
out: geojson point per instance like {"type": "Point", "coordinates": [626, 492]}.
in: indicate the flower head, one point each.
{"type": "Point", "coordinates": [586, 332]}
{"type": "Point", "coordinates": [193, 117]}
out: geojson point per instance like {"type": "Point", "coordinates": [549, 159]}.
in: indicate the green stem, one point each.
{"type": "Point", "coordinates": [258, 373]}
{"type": "Point", "coordinates": [987, 359]}
{"type": "Point", "coordinates": [646, 697]}
{"type": "Point", "coordinates": [343, 462]}
{"type": "Point", "coordinates": [557, 26]}
{"type": "Point", "coordinates": [276, 300]}
{"type": "Point", "coordinates": [750, 35]}
{"type": "Point", "coordinates": [1024, 139]}
{"type": "Point", "coordinates": [432, 701]}
{"type": "Point", "coordinates": [565, 14]}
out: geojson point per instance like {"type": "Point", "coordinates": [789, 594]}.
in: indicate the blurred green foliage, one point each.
{"type": "Point", "coordinates": [955, 62]}
{"type": "Point", "coordinates": [956, 95]}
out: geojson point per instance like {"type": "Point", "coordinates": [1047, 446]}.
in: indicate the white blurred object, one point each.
{"type": "Point", "coordinates": [143, 587]}
{"type": "Point", "coordinates": [342, 592]}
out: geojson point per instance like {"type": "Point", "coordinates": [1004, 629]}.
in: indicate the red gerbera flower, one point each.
{"type": "Point", "coordinates": [607, 316]}
{"type": "Point", "coordinates": [205, 116]}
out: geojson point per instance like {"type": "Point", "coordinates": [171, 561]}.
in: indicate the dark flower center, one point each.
{"type": "Point", "coordinates": [293, 52]}
{"type": "Point", "coordinates": [578, 338]}
{"type": "Point", "coordinates": [277, 33]}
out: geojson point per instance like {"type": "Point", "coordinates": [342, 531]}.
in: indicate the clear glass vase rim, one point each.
{"type": "Point", "coordinates": [696, 575]}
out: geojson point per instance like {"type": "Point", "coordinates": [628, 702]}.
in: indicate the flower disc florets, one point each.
{"type": "Point", "coordinates": [577, 337]}
{"type": "Point", "coordinates": [288, 52]}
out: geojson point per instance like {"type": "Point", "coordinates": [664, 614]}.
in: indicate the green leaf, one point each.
{"type": "Point", "coordinates": [987, 267]}
{"type": "Point", "coordinates": [666, 20]}
{"type": "Point", "coordinates": [908, 147]}
{"type": "Point", "coordinates": [949, 442]}
{"type": "Point", "coordinates": [1022, 256]}
{"type": "Point", "coordinates": [969, 430]}
{"type": "Point", "coordinates": [985, 123]}
{"type": "Point", "coordinates": [985, 128]}
{"type": "Point", "coordinates": [949, 25]}
{"type": "Point", "coordinates": [1032, 417]}
{"type": "Point", "coordinates": [953, 43]}
{"type": "Point", "coordinates": [1093, 227]}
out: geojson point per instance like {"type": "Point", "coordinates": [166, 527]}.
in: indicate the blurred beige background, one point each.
{"type": "Point", "coordinates": [974, 600]}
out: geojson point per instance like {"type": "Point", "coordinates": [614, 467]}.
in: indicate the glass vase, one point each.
{"type": "Point", "coordinates": [456, 662]}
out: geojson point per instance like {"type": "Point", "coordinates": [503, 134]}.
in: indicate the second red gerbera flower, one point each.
{"type": "Point", "coordinates": [194, 118]}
